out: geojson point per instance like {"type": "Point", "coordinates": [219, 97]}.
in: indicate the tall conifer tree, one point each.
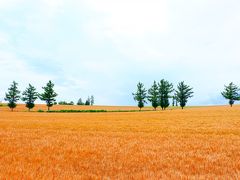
{"type": "Point", "coordinates": [29, 96]}
{"type": "Point", "coordinates": [231, 92]}
{"type": "Point", "coordinates": [49, 95]}
{"type": "Point", "coordinates": [153, 95]}
{"type": "Point", "coordinates": [13, 95]}
{"type": "Point", "coordinates": [183, 93]}
{"type": "Point", "coordinates": [141, 95]}
{"type": "Point", "coordinates": [165, 89]}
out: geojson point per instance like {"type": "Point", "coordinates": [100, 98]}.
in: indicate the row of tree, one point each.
{"type": "Point", "coordinates": [88, 102]}
{"type": "Point", "coordinates": [160, 93]}
{"type": "Point", "coordinates": [65, 103]}
{"type": "Point", "coordinates": [30, 95]}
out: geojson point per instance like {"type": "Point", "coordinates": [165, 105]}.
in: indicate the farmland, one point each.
{"type": "Point", "coordinates": [191, 143]}
{"type": "Point", "coordinates": [22, 108]}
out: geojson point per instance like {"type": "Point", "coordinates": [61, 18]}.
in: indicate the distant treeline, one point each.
{"type": "Point", "coordinates": [88, 102]}
{"type": "Point", "coordinates": [158, 95]}
{"type": "Point", "coordinates": [30, 95]}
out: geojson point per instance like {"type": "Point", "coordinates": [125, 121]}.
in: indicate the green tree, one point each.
{"type": "Point", "coordinates": [66, 103]}
{"type": "Point", "coordinates": [231, 93]}
{"type": "Point", "coordinates": [80, 102]}
{"type": "Point", "coordinates": [62, 103]}
{"type": "Point", "coordinates": [48, 95]}
{"type": "Point", "coordinates": [164, 89]}
{"type": "Point", "coordinates": [13, 95]}
{"type": "Point", "coordinates": [92, 100]}
{"type": "Point", "coordinates": [29, 96]}
{"type": "Point", "coordinates": [140, 95]}
{"type": "Point", "coordinates": [87, 103]}
{"type": "Point", "coordinates": [183, 93]}
{"type": "Point", "coordinates": [153, 95]}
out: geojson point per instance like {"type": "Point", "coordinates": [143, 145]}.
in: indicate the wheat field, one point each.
{"type": "Point", "coordinates": [22, 108]}
{"type": "Point", "coordinates": [194, 143]}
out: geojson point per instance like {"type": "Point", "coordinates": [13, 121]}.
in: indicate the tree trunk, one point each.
{"type": "Point", "coordinates": [48, 108]}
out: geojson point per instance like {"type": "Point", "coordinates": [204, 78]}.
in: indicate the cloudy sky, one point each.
{"type": "Point", "coordinates": [105, 47]}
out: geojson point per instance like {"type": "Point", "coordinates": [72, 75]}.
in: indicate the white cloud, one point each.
{"type": "Point", "coordinates": [133, 18]}
{"type": "Point", "coordinates": [6, 4]}
{"type": "Point", "coordinates": [131, 26]}
{"type": "Point", "coordinates": [104, 47]}
{"type": "Point", "coordinates": [13, 68]}
{"type": "Point", "coordinates": [3, 38]}
{"type": "Point", "coordinates": [129, 19]}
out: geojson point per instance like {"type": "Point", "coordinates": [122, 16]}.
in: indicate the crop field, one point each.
{"type": "Point", "coordinates": [194, 143]}
{"type": "Point", "coordinates": [22, 108]}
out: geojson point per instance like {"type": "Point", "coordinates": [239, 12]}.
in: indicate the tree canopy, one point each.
{"type": "Point", "coordinates": [141, 95]}
{"type": "Point", "coordinates": [165, 88]}
{"type": "Point", "coordinates": [231, 92]}
{"type": "Point", "coordinates": [183, 93]}
{"type": "Point", "coordinates": [29, 96]}
{"type": "Point", "coordinates": [49, 95]}
{"type": "Point", "coordinates": [153, 95]}
{"type": "Point", "coordinates": [13, 95]}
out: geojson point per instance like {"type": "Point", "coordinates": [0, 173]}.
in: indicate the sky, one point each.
{"type": "Point", "coordinates": [104, 48]}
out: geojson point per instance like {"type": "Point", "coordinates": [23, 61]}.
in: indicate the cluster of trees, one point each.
{"type": "Point", "coordinates": [30, 95]}
{"type": "Point", "coordinates": [88, 102]}
{"type": "Point", "coordinates": [231, 92]}
{"type": "Point", "coordinates": [160, 93]}
{"type": "Point", "coordinates": [65, 103]}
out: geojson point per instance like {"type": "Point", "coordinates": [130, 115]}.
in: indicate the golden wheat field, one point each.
{"type": "Point", "coordinates": [194, 143]}
{"type": "Point", "coordinates": [22, 108]}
